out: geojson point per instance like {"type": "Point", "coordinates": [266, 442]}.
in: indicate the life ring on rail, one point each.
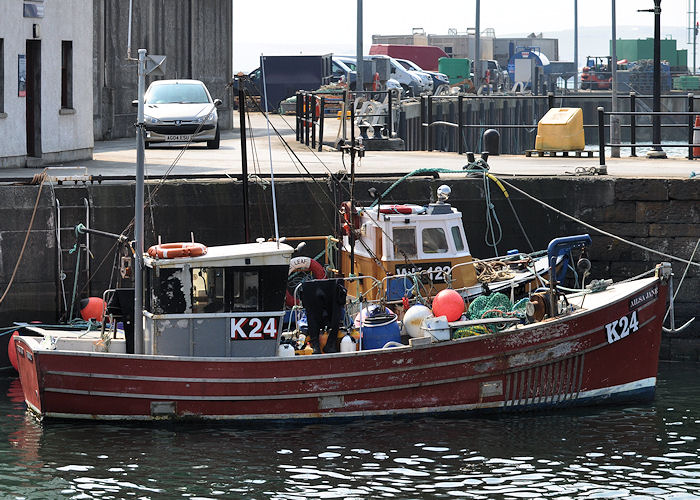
{"type": "Point", "coordinates": [399, 209]}
{"type": "Point", "coordinates": [346, 218]}
{"type": "Point", "coordinates": [302, 264]}
{"type": "Point", "coordinates": [375, 82]}
{"type": "Point", "coordinates": [175, 250]}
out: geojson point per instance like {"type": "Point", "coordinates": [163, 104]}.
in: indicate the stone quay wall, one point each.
{"type": "Point", "coordinates": [660, 214]}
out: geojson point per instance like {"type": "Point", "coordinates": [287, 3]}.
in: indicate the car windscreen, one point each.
{"type": "Point", "coordinates": [177, 93]}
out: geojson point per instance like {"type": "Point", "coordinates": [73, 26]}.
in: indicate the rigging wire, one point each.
{"type": "Point", "coordinates": [605, 233]}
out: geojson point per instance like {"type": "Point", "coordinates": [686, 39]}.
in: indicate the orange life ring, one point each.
{"type": "Point", "coordinates": [345, 218]}
{"type": "Point", "coordinates": [375, 82]}
{"type": "Point", "coordinates": [303, 264]}
{"type": "Point", "coordinates": [175, 250]}
{"type": "Point", "coordinates": [398, 209]}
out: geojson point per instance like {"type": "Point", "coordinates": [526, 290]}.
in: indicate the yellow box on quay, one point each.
{"type": "Point", "coordinates": [561, 129]}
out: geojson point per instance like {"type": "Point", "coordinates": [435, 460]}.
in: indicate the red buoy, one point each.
{"type": "Point", "coordinates": [448, 303]}
{"type": "Point", "coordinates": [12, 351]}
{"type": "Point", "coordinates": [92, 308]}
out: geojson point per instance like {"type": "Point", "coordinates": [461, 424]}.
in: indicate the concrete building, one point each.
{"type": "Point", "coordinates": [196, 36]}
{"type": "Point", "coordinates": [462, 44]}
{"type": "Point", "coordinates": [65, 80]}
{"type": "Point", "coordinates": [45, 81]}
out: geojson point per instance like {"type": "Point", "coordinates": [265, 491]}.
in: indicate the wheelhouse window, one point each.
{"type": "Point", "coordinates": [404, 242]}
{"type": "Point", "coordinates": [434, 240]}
{"type": "Point", "coordinates": [218, 290]}
{"type": "Point", "coordinates": [67, 74]}
{"type": "Point", "coordinates": [457, 237]}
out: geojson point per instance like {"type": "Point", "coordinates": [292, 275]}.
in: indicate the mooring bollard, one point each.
{"type": "Point", "coordinates": [492, 141]}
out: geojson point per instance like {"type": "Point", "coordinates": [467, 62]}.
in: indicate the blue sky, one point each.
{"type": "Point", "coordinates": [314, 26]}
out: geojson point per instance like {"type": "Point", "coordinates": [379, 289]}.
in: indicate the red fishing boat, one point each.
{"type": "Point", "coordinates": [209, 350]}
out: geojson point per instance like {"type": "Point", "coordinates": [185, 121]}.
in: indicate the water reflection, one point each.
{"type": "Point", "coordinates": [648, 451]}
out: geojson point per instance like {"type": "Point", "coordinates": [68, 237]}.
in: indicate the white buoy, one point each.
{"type": "Point", "coordinates": [413, 319]}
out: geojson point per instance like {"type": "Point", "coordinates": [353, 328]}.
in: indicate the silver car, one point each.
{"type": "Point", "coordinates": [181, 111]}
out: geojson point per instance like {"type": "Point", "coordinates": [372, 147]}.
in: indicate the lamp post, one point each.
{"type": "Point", "coordinates": [656, 151]}
{"type": "Point", "coordinates": [576, 43]}
{"type": "Point", "coordinates": [614, 119]}
{"type": "Point", "coordinates": [477, 48]}
{"type": "Point", "coordinates": [359, 70]}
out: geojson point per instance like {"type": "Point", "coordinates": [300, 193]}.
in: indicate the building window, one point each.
{"type": "Point", "coordinates": [448, 50]}
{"type": "Point", "coordinates": [67, 74]}
{"type": "Point", "coordinates": [2, 75]}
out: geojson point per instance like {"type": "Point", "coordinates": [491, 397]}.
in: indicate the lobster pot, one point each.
{"type": "Point", "coordinates": [378, 330]}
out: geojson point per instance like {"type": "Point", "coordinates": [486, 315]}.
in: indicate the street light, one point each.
{"type": "Point", "coordinates": [656, 151]}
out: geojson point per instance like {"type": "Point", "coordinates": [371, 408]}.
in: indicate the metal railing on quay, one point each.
{"type": "Point", "coordinates": [312, 107]}
{"type": "Point", "coordinates": [427, 123]}
{"type": "Point", "coordinates": [633, 144]}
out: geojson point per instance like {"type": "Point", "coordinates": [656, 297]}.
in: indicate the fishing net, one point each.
{"type": "Point", "coordinates": [495, 305]}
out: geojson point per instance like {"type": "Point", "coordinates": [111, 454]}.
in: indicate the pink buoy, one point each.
{"type": "Point", "coordinates": [448, 303]}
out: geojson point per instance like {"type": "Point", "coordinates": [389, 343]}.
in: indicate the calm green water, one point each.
{"type": "Point", "coordinates": [614, 452]}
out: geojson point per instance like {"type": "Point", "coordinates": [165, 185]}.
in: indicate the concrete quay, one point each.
{"type": "Point", "coordinates": [117, 158]}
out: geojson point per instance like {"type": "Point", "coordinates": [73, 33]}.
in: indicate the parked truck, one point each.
{"type": "Point", "coordinates": [425, 56]}
{"type": "Point", "coordinates": [284, 75]}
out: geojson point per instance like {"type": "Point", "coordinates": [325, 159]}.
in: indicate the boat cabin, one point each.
{"type": "Point", "coordinates": [404, 239]}
{"type": "Point", "coordinates": [227, 302]}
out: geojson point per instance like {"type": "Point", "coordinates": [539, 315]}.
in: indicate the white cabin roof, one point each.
{"type": "Point", "coordinates": [259, 253]}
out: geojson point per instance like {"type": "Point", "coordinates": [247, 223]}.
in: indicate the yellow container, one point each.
{"type": "Point", "coordinates": [561, 129]}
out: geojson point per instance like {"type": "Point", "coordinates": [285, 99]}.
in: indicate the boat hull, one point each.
{"type": "Point", "coordinates": [586, 357]}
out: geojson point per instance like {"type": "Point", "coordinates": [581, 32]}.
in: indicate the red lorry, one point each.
{"type": "Point", "coordinates": [425, 56]}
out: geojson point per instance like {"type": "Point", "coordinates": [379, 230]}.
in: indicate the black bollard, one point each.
{"type": "Point", "coordinates": [377, 131]}
{"type": "Point", "coordinates": [363, 131]}
{"type": "Point", "coordinates": [492, 139]}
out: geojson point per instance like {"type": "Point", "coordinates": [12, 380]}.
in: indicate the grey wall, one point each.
{"type": "Point", "coordinates": [195, 35]}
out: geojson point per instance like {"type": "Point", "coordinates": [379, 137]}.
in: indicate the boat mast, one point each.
{"type": "Point", "coordinates": [139, 210]}
{"type": "Point", "coordinates": [244, 157]}
{"type": "Point", "coordinates": [269, 148]}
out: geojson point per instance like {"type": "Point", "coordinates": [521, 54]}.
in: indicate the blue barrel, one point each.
{"type": "Point", "coordinates": [379, 329]}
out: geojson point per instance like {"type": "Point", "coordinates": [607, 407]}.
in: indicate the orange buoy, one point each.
{"type": "Point", "coordinates": [175, 250]}
{"type": "Point", "coordinates": [448, 303]}
{"type": "Point", "coordinates": [696, 137]}
{"type": "Point", "coordinates": [12, 350]}
{"type": "Point", "coordinates": [92, 308]}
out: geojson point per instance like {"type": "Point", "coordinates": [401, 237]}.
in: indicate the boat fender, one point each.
{"type": "Point", "coordinates": [303, 264]}
{"type": "Point", "coordinates": [375, 82]}
{"type": "Point", "coordinates": [175, 250]}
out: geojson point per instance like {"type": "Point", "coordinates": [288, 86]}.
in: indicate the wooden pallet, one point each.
{"type": "Point", "coordinates": [566, 154]}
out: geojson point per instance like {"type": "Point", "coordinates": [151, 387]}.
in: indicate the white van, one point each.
{"type": "Point", "coordinates": [412, 83]}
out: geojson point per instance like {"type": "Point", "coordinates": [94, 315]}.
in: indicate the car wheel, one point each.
{"type": "Point", "coordinates": [214, 144]}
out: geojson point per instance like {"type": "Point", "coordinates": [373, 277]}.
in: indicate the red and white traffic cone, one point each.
{"type": "Point", "coordinates": [696, 137]}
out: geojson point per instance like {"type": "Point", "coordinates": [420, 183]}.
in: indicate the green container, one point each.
{"type": "Point", "coordinates": [457, 69]}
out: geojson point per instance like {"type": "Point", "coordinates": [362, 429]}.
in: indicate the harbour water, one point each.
{"type": "Point", "coordinates": [644, 451]}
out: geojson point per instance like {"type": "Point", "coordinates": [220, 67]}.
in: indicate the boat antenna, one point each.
{"type": "Point", "coordinates": [269, 148]}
